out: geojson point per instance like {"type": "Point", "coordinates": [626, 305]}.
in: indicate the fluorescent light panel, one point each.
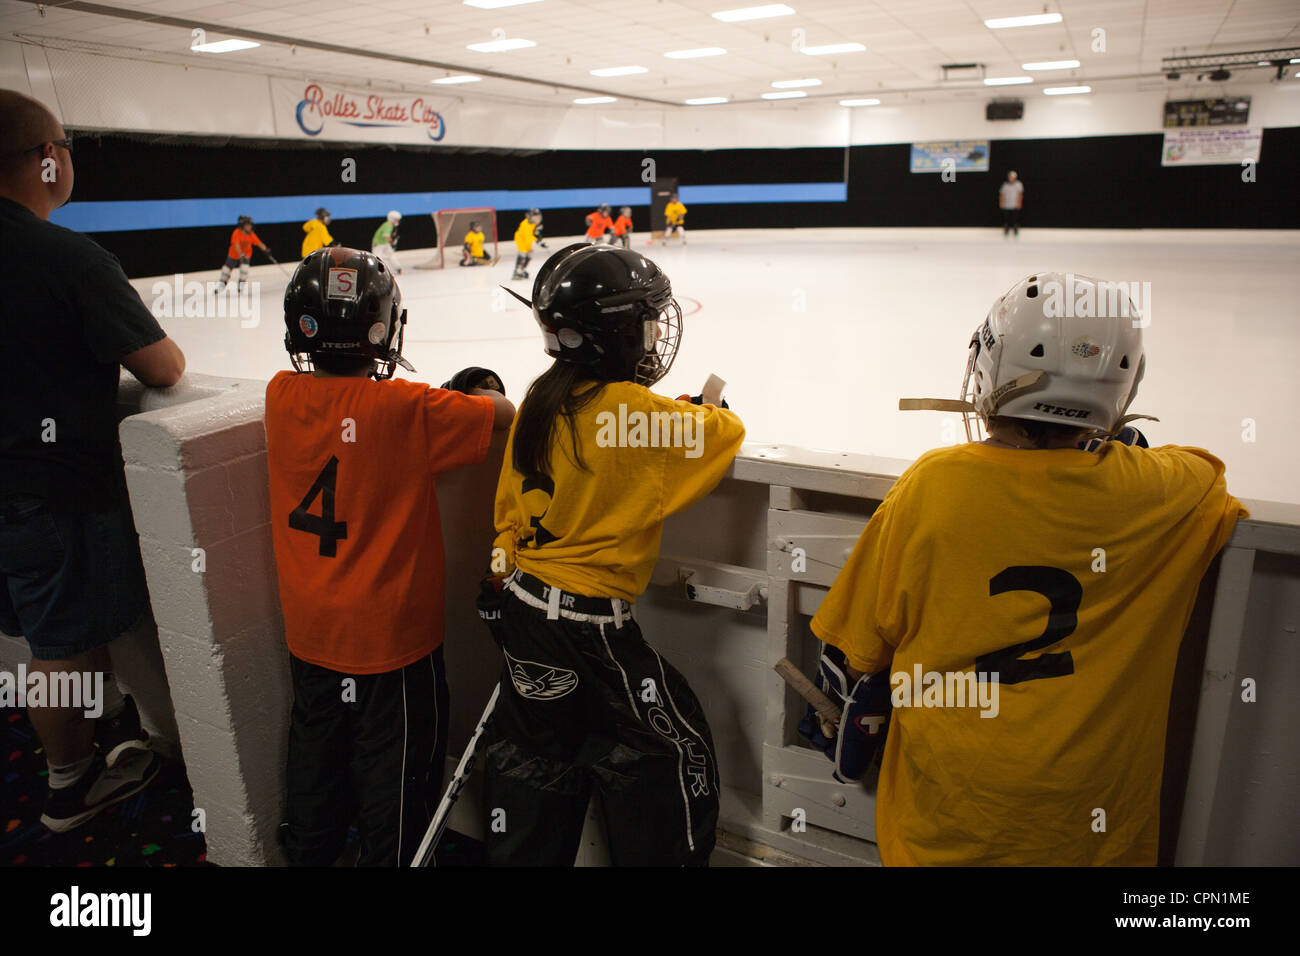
{"type": "Point", "coordinates": [1066, 90]}
{"type": "Point", "coordinates": [860, 102]}
{"type": "Point", "coordinates": [224, 46]}
{"type": "Point", "coordinates": [832, 48]}
{"type": "Point", "coordinates": [497, 4]}
{"type": "Point", "coordinates": [1034, 20]}
{"type": "Point", "coordinates": [740, 14]}
{"type": "Point", "coordinates": [794, 84]}
{"type": "Point", "coordinates": [619, 71]}
{"type": "Point", "coordinates": [787, 95]}
{"type": "Point", "coordinates": [461, 78]}
{"type": "Point", "coordinates": [500, 46]}
{"type": "Point", "coordinates": [705, 100]}
{"type": "Point", "coordinates": [1051, 65]}
{"type": "Point", "coordinates": [692, 54]}
{"type": "Point", "coordinates": [1007, 80]}
{"type": "Point", "coordinates": [593, 100]}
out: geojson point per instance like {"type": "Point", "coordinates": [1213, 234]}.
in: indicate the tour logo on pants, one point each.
{"type": "Point", "coordinates": [541, 681]}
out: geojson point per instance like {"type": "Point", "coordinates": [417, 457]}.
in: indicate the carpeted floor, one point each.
{"type": "Point", "coordinates": [152, 828]}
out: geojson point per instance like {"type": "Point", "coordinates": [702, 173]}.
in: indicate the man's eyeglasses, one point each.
{"type": "Point", "coordinates": [65, 143]}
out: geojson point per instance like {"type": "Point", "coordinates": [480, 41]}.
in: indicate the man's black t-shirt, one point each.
{"type": "Point", "coordinates": [67, 318]}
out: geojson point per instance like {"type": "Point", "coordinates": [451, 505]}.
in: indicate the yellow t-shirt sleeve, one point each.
{"type": "Point", "coordinates": [692, 471]}
{"type": "Point", "coordinates": [864, 614]}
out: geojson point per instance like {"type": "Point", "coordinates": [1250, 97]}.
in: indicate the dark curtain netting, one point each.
{"type": "Point", "coordinates": [1101, 182]}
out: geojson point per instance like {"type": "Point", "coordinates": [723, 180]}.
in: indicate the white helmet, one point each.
{"type": "Point", "coordinates": [394, 216]}
{"type": "Point", "coordinates": [1059, 348]}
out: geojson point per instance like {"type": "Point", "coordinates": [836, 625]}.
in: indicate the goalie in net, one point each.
{"type": "Point", "coordinates": [465, 236]}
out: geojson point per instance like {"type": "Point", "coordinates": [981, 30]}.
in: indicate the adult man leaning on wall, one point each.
{"type": "Point", "coordinates": [71, 578]}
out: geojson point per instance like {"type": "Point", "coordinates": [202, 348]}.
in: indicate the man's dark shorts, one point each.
{"type": "Point", "coordinates": [68, 582]}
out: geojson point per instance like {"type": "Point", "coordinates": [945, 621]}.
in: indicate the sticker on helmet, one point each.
{"type": "Point", "coordinates": [308, 326]}
{"type": "Point", "coordinates": [570, 338]}
{"type": "Point", "coordinates": [1085, 349]}
{"type": "Point", "coordinates": [377, 334]}
{"type": "Point", "coordinates": [342, 284]}
{"type": "Point", "coordinates": [551, 341]}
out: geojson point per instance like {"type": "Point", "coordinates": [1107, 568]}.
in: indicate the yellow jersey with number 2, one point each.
{"type": "Point", "coordinates": [1071, 575]}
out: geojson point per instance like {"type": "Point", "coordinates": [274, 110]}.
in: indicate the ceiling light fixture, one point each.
{"type": "Point", "coordinates": [500, 46]}
{"type": "Point", "coordinates": [1066, 90]}
{"type": "Point", "coordinates": [1034, 20]}
{"type": "Point", "coordinates": [619, 71]}
{"type": "Point", "coordinates": [705, 100]}
{"type": "Point", "coordinates": [832, 48]}
{"type": "Point", "coordinates": [224, 46]}
{"type": "Point", "coordinates": [692, 54]}
{"type": "Point", "coordinates": [1007, 80]}
{"type": "Point", "coordinates": [860, 102]}
{"type": "Point", "coordinates": [786, 95]}
{"type": "Point", "coordinates": [1051, 65]}
{"type": "Point", "coordinates": [740, 14]}
{"type": "Point", "coordinates": [593, 100]}
{"type": "Point", "coordinates": [460, 78]}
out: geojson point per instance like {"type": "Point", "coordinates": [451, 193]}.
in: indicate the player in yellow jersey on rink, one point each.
{"type": "Point", "coordinates": [525, 236]}
{"type": "Point", "coordinates": [675, 218]}
{"type": "Point", "coordinates": [318, 236]}
{"type": "Point", "coordinates": [1025, 599]}
{"type": "Point", "coordinates": [471, 253]}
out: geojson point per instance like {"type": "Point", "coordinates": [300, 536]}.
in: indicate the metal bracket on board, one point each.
{"type": "Point", "coordinates": [741, 600]}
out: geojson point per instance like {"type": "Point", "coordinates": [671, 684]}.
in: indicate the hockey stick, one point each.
{"type": "Point", "coordinates": [277, 262]}
{"type": "Point", "coordinates": [424, 855]}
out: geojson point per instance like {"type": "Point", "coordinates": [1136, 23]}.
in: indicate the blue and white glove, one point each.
{"type": "Point", "coordinates": [864, 718]}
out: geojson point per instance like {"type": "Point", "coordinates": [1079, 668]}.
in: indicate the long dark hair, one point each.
{"type": "Point", "coordinates": [553, 393]}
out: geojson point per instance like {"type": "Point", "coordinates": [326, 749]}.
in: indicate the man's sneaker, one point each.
{"type": "Point", "coordinates": [98, 788]}
{"type": "Point", "coordinates": [121, 733]}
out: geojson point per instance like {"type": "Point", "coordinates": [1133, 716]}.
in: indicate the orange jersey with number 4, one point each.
{"type": "Point", "coordinates": [354, 512]}
{"type": "Point", "coordinates": [1071, 575]}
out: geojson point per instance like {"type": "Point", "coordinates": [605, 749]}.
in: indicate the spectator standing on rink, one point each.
{"type": "Point", "coordinates": [980, 567]}
{"type": "Point", "coordinates": [318, 236]}
{"type": "Point", "coordinates": [599, 225]}
{"type": "Point", "coordinates": [359, 555]}
{"type": "Point", "coordinates": [623, 227]}
{"type": "Point", "coordinates": [71, 577]}
{"type": "Point", "coordinates": [242, 241]}
{"type": "Point", "coordinates": [1011, 196]}
{"type": "Point", "coordinates": [384, 242]}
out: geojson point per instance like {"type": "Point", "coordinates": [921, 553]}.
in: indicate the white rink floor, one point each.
{"type": "Point", "coordinates": [819, 332]}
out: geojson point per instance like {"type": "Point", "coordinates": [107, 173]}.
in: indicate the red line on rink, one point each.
{"type": "Point", "coordinates": [687, 298]}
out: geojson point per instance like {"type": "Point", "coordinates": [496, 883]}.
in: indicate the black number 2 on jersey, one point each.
{"type": "Point", "coordinates": [325, 527]}
{"type": "Point", "coordinates": [1063, 590]}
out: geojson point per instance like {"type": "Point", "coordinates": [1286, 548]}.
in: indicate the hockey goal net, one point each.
{"type": "Point", "coordinates": [452, 225]}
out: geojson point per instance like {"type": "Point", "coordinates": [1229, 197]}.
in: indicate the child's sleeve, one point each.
{"type": "Point", "coordinates": [710, 439]}
{"type": "Point", "coordinates": [458, 428]}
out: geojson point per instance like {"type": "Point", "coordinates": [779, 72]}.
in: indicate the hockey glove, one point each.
{"type": "Point", "coordinates": [1128, 435]}
{"type": "Point", "coordinates": [699, 400]}
{"type": "Point", "coordinates": [474, 377]}
{"type": "Point", "coordinates": [863, 722]}
{"type": "Point", "coordinates": [491, 600]}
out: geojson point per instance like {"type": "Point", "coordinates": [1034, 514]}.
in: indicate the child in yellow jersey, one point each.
{"type": "Point", "coordinates": [594, 464]}
{"type": "Point", "coordinates": [675, 218]}
{"type": "Point", "coordinates": [1025, 598]}
{"type": "Point", "coordinates": [472, 251]}
{"type": "Point", "coordinates": [318, 236]}
{"type": "Point", "coordinates": [527, 233]}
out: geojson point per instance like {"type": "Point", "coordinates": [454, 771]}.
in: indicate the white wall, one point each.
{"type": "Point", "coordinates": [100, 92]}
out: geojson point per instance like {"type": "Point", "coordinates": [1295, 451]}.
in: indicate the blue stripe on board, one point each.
{"type": "Point", "coordinates": [139, 214]}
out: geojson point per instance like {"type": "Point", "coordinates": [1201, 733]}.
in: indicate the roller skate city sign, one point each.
{"type": "Point", "coordinates": [330, 112]}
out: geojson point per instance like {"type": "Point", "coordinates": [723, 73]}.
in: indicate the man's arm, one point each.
{"type": "Point", "coordinates": [504, 409]}
{"type": "Point", "coordinates": [159, 365]}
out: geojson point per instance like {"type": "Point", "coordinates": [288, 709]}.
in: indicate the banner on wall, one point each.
{"type": "Point", "coordinates": [1211, 145]}
{"type": "Point", "coordinates": [961, 155]}
{"type": "Point", "coordinates": [321, 111]}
